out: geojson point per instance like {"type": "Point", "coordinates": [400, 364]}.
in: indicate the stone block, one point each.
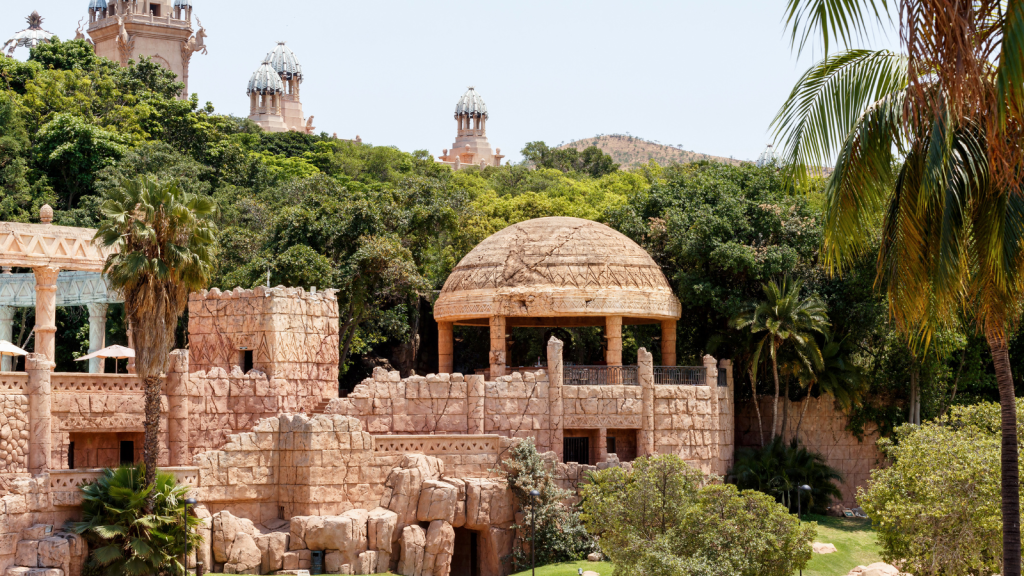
{"type": "Point", "coordinates": [27, 553]}
{"type": "Point", "coordinates": [413, 541]}
{"type": "Point", "coordinates": [437, 501]}
{"type": "Point", "coordinates": [381, 524]}
{"type": "Point", "coordinates": [438, 550]}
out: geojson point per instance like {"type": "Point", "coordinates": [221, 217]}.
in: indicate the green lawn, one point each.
{"type": "Point", "coordinates": [854, 541]}
{"type": "Point", "coordinates": [570, 569]}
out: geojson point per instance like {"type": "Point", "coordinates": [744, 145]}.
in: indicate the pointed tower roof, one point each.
{"type": "Point", "coordinates": [97, 4]}
{"type": "Point", "coordinates": [471, 103]}
{"type": "Point", "coordinates": [284, 61]}
{"type": "Point", "coordinates": [32, 36]}
{"type": "Point", "coordinates": [265, 80]}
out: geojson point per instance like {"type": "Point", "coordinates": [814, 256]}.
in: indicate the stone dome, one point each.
{"type": "Point", "coordinates": [471, 103]}
{"type": "Point", "coordinates": [555, 268]}
{"type": "Point", "coordinates": [182, 3]}
{"type": "Point", "coordinates": [265, 80]}
{"type": "Point", "coordinates": [284, 61]}
{"type": "Point", "coordinates": [98, 4]}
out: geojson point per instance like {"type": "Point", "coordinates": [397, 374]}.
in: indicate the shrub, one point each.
{"type": "Point", "coordinates": [936, 508]}
{"type": "Point", "coordinates": [665, 518]}
{"type": "Point", "coordinates": [123, 537]}
{"type": "Point", "coordinates": [777, 469]}
{"type": "Point", "coordinates": [560, 533]}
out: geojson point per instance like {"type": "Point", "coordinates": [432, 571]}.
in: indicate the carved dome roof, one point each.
{"type": "Point", "coordinates": [471, 103]}
{"type": "Point", "coordinates": [182, 3]}
{"type": "Point", "coordinates": [284, 61]}
{"type": "Point", "coordinates": [98, 4]}
{"type": "Point", "coordinates": [265, 80]}
{"type": "Point", "coordinates": [31, 36]}
{"type": "Point", "coordinates": [557, 267]}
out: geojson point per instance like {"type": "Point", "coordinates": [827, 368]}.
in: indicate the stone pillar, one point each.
{"type": "Point", "coordinates": [555, 407]}
{"type": "Point", "coordinates": [602, 445]}
{"type": "Point", "coordinates": [131, 344]}
{"type": "Point", "coordinates": [39, 369]}
{"type": "Point", "coordinates": [668, 343]}
{"type": "Point", "coordinates": [177, 415]}
{"type": "Point", "coordinates": [46, 310]}
{"type": "Point", "coordinates": [445, 348]}
{"type": "Point", "coordinates": [475, 391]}
{"type": "Point", "coordinates": [613, 333]}
{"type": "Point", "coordinates": [97, 335]}
{"type": "Point", "coordinates": [645, 374]}
{"type": "Point", "coordinates": [6, 333]}
{"type": "Point", "coordinates": [497, 346]}
{"type": "Point", "coordinates": [711, 365]}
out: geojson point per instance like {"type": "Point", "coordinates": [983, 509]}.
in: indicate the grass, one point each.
{"type": "Point", "coordinates": [571, 569]}
{"type": "Point", "coordinates": [854, 541]}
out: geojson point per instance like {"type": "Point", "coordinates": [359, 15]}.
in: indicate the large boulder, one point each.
{"type": "Point", "coordinates": [460, 501]}
{"type": "Point", "coordinates": [204, 553]}
{"type": "Point", "coordinates": [54, 552]}
{"type": "Point", "coordinates": [225, 527]}
{"type": "Point", "coordinates": [488, 503]}
{"type": "Point", "coordinates": [272, 547]}
{"type": "Point", "coordinates": [438, 500]}
{"type": "Point", "coordinates": [413, 541]}
{"type": "Point", "coordinates": [437, 553]}
{"type": "Point", "coordinates": [495, 544]}
{"type": "Point", "coordinates": [380, 529]}
{"type": "Point", "coordinates": [345, 533]}
{"type": "Point", "coordinates": [244, 556]}
{"type": "Point", "coordinates": [823, 548]}
{"type": "Point", "coordinates": [876, 569]}
{"type": "Point", "coordinates": [366, 563]}
{"type": "Point", "coordinates": [403, 485]}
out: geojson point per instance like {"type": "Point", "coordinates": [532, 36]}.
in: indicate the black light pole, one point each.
{"type": "Point", "coordinates": [799, 507]}
{"type": "Point", "coordinates": [189, 504]}
{"type": "Point", "coordinates": [533, 531]}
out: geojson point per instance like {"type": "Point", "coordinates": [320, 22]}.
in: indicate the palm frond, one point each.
{"type": "Point", "coordinates": [845, 21]}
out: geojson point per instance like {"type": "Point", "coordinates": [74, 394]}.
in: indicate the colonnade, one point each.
{"type": "Point", "coordinates": [467, 126]}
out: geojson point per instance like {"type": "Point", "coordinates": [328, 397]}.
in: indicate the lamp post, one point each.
{"type": "Point", "coordinates": [799, 507]}
{"type": "Point", "coordinates": [190, 503]}
{"type": "Point", "coordinates": [533, 530]}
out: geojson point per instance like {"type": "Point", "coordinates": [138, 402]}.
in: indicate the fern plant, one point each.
{"type": "Point", "coordinates": [123, 537]}
{"type": "Point", "coordinates": [779, 468]}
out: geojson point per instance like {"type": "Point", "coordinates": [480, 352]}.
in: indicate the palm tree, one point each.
{"type": "Point", "coordinates": [784, 318]}
{"type": "Point", "coordinates": [927, 143]}
{"type": "Point", "coordinates": [164, 242]}
{"type": "Point", "coordinates": [838, 377]}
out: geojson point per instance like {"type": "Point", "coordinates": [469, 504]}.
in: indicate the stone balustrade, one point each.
{"type": "Point", "coordinates": [82, 383]}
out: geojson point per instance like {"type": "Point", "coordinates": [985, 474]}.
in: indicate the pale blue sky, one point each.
{"type": "Point", "coordinates": [709, 75]}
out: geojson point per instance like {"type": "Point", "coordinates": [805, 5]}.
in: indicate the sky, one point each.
{"type": "Point", "coordinates": [709, 76]}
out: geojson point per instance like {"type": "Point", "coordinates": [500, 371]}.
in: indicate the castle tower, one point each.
{"type": "Point", "coordinates": [287, 66]}
{"type": "Point", "coordinates": [471, 146]}
{"type": "Point", "coordinates": [266, 91]}
{"type": "Point", "coordinates": [29, 37]}
{"type": "Point", "coordinates": [123, 30]}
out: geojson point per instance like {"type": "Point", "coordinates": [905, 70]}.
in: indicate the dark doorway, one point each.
{"type": "Point", "coordinates": [127, 452]}
{"type": "Point", "coordinates": [465, 558]}
{"type": "Point", "coordinates": [576, 450]}
{"type": "Point", "coordinates": [155, 9]}
{"type": "Point", "coordinates": [71, 456]}
{"type": "Point", "coordinates": [246, 361]}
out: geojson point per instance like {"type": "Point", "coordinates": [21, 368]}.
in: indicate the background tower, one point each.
{"type": "Point", "coordinates": [29, 37]}
{"type": "Point", "coordinates": [123, 30]}
{"type": "Point", "coordinates": [471, 146]}
{"type": "Point", "coordinates": [265, 92]}
{"type": "Point", "coordinates": [287, 66]}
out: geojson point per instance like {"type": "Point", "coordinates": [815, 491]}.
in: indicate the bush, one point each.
{"type": "Point", "coordinates": [936, 508]}
{"type": "Point", "coordinates": [777, 470]}
{"type": "Point", "coordinates": [123, 537]}
{"type": "Point", "coordinates": [664, 518]}
{"type": "Point", "coordinates": [560, 533]}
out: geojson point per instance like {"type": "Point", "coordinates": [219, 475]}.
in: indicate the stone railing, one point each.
{"type": "Point", "coordinates": [13, 383]}
{"type": "Point", "coordinates": [66, 485]}
{"type": "Point", "coordinates": [681, 376]}
{"type": "Point", "coordinates": [449, 445]}
{"type": "Point", "coordinates": [82, 383]}
{"type": "Point", "coordinates": [600, 375]}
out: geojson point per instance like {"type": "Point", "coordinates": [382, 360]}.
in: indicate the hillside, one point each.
{"type": "Point", "coordinates": [630, 151]}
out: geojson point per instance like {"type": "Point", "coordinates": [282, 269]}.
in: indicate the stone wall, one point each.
{"type": "Point", "coordinates": [824, 431]}
{"type": "Point", "coordinates": [14, 432]}
{"type": "Point", "coordinates": [291, 334]}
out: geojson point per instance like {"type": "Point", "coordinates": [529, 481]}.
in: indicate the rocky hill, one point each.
{"type": "Point", "coordinates": [630, 151]}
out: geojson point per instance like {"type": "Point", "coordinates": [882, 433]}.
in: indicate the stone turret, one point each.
{"type": "Point", "coordinates": [471, 146]}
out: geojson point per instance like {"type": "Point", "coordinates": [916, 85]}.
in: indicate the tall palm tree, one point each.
{"type": "Point", "coordinates": [164, 241]}
{"type": "Point", "coordinates": [928, 144]}
{"type": "Point", "coordinates": [784, 318]}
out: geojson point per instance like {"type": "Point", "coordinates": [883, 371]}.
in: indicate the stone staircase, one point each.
{"type": "Point", "coordinates": [321, 408]}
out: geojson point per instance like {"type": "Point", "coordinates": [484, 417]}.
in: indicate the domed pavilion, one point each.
{"type": "Point", "coordinates": [556, 272]}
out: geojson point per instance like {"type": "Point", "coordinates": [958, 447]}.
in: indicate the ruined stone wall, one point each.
{"type": "Point", "coordinates": [14, 432]}
{"type": "Point", "coordinates": [27, 508]}
{"type": "Point", "coordinates": [291, 334]}
{"type": "Point", "coordinates": [695, 423]}
{"type": "Point", "coordinates": [823, 431]}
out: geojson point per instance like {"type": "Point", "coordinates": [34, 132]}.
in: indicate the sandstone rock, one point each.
{"type": "Point", "coordinates": [403, 485]}
{"type": "Point", "coordinates": [225, 527]}
{"type": "Point", "coordinates": [488, 503]}
{"type": "Point", "coordinates": [821, 548]}
{"type": "Point", "coordinates": [495, 544]}
{"type": "Point", "coordinates": [460, 501]}
{"type": "Point", "coordinates": [437, 502]}
{"type": "Point", "coordinates": [27, 553]}
{"type": "Point", "coordinates": [54, 552]}
{"type": "Point", "coordinates": [204, 553]}
{"type": "Point", "coordinates": [876, 569]}
{"type": "Point", "coordinates": [383, 562]}
{"type": "Point", "coordinates": [244, 554]}
{"type": "Point", "coordinates": [297, 539]}
{"type": "Point", "coordinates": [345, 533]}
{"type": "Point", "coordinates": [332, 563]}
{"type": "Point", "coordinates": [291, 561]}
{"type": "Point", "coordinates": [272, 548]}
{"type": "Point", "coordinates": [381, 524]}
{"type": "Point", "coordinates": [591, 573]}
{"type": "Point", "coordinates": [411, 545]}
{"type": "Point", "coordinates": [366, 563]}
{"type": "Point", "coordinates": [595, 557]}
{"type": "Point", "coordinates": [440, 544]}
{"type": "Point", "coordinates": [37, 532]}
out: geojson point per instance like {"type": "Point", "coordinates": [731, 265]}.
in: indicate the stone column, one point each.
{"type": "Point", "coordinates": [97, 335]}
{"type": "Point", "coordinates": [668, 343]}
{"type": "Point", "coordinates": [39, 369]}
{"type": "Point", "coordinates": [177, 413]}
{"type": "Point", "coordinates": [476, 392]}
{"type": "Point", "coordinates": [711, 365]}
{"type": "Point", "coordinates": [445, 348]}
{"type": "Point", "coordinates": [555, 407]}
{"type": "Point", "coordinates": [613, 333]}
{"type": "Point", "coordinates": [645, 374]}
{"type": "Point", "coordinates": [497, 358]}
{"type": "Point", "coordinates": [46, 310]}
{"type": "Point", "coordinates": [602, 445]}
{"type": "Point", "coordinates": [6, 333]}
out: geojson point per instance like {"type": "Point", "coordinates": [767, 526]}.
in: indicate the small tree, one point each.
{"type": "Point", "coordinates": [560, 534]}
{"type": "Point", "coordinates": [778, 468]}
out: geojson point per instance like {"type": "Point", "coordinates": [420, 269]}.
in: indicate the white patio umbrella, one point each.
{"type": "Point", "coordinates": [8, 349]}
{"type": "Point", "coordinates": [116, 352]}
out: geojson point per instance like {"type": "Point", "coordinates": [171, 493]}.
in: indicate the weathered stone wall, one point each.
{"type": "Point", "coordinates": [27, 510]}
{"type": "Point", "coordinates": [824, 431]}
{"type": "Point", "coordinates": [14, 432]}
{"type": "Point", "coordinates": [292, 334]}
{"type": "Point", "coordinates": [695, 423]}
